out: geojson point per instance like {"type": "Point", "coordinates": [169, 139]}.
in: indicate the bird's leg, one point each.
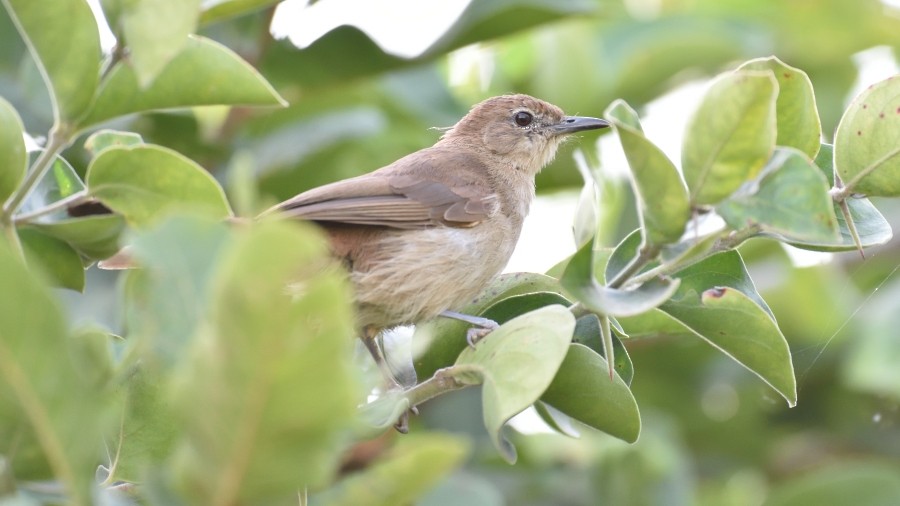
{"type": "Point", "coordinates": [484, 326]}
{"type": "Point", "coordinates": [370, 339]}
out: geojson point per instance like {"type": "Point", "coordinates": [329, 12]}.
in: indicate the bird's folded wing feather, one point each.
{"type": "Point", "coordinates": [398, 200]}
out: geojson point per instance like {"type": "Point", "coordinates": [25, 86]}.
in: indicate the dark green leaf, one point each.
{"type": "Point", "coordinates": [583, 390]}
{"type": "Point", "coordinates": [264, 338]}
{"type": "Point", "coordinates": [866, 151]}
{"type": "Point", "coordinates": [871, 226]}
{"type": "Point", "coordinates": [789, 201]}
{"type": "Point", "coordinates": [60, 182]}
{"type": "Point", "coordinates": [660, 192]}
{"type": "Point", "coordinates": [63, 38]}
{"type": "Point", "coordinates": [718, 302]}
{"type": "Point", "coordinates": [620, 257]}
{"type": "Point", "coordinates": [50, 415]}
{"type": "Point", "coordinates": [94, 237]}
{"type": "Point", "coordinates": [53, 257]}
{"type": "Point", "coordinates": [439, 341]}
{"type": "Point", "coordinates": [731, 136]}
{"type": "Point", "coordinates": [12, 150]}
{"type": "Point", "coordinates": [409, 469]}
{"type": "Point", "coordinates": [556, 419]}
{"type": "Point", "coordinates": [516, 363]}
{"type": "Point", "coordinates": [144, 183]}
{"type": "Point", "coordinates": [203, 73]}
{"type": "Point", "coordinates": [578, 280]}
{"type": "Point", "coordinates": [797, 118]}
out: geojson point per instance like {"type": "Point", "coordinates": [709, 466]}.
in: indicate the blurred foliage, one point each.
{"type": "Point", "coordinates": [711, 433]}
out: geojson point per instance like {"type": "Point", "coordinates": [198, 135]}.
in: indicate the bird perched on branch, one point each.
{"type": "Point", "coordinates": [425, 234]}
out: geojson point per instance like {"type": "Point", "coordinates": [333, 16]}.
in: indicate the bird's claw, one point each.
{"type": "Point", "coordinates": [476, 334]}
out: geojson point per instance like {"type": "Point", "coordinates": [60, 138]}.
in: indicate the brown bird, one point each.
{"type": "Point", "coordinates": [423, 235]}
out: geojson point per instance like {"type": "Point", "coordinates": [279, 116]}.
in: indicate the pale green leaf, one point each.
{"type": "Point", "coordinates": [102, 139]}
{"type": "Point", "coordinates": [94, 237]}
{"type": "Point", "coordinates": [218, 10]}
{"type": "Point", "coordinates": [63, 38]}
{"type": "Point", "coordinates": [789, 201]}
{"type": "Point", "coordinates": [795, 109]}
{"type": "Point", "coordinates": [144, 183]}
{"type": "Point", "coordinates": [155, 31]}
{"type": "Point", "coordinates": [280, 322]}
{"type": "Point", "coordinates": [203, 73]}
{"type": "Point", "coordinates": [731, 135]}
{"type": "Point", "coordinates": [661, 194]}
{"type": "Point", "coordinates": [516, 363]}
{"type": "Point", "coordinates": [12, 150]}
{"type": "Point", "coordinates": [867, 141]}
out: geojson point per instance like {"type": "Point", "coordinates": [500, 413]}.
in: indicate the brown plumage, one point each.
{"type": "Point", "coordinates": [426, 233]}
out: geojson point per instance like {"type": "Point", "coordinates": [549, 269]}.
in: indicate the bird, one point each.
{"type": "Point", "coordinates": [422, 236]}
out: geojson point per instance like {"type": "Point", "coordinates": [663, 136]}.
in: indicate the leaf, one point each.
{"type": "Point", "coordinates": [797, 118]}
{"type": "Point", "coordinates": [789, 201]}
{"type": "Point", "coordinates": [438, 343]}
{"type": "Point", "coordinates": [583, 390]}
{"type": "Point", "coordinates": [270, 374]}
{"type": "Point", "coordinates": [13, 158]}
{"type": "Point", "coordinates": [62, 37]}
{"type": "Point", "coordinates": [203, 73]}
{"type": "Point", "coordinates": [587, 333]}
{"type": "Point", "coordinates": [662, 197]}
{"type": "Point", "coordinates": [731, 135]}
{"type": "Point", "coordinates": [872, 227]}
{"type": "Point", "coordinates": [516, 363]}
{"type": "Point", "coordinates": [867, 141]}
{"type": "Point", "coordinates": [50, 414]}
{"type": "Point", "coordinates": [718, 302]}
{"type": "Point", "coordinates": [102, 139]}
{"type": "Point", "coordinates": [144, 183]}
{"type": "Point", "coordinates": [94, 237]}
{"type": "Point", "coordinates": [155, 31]}
{"type": "Point", "coordinates": [218, 10]}
{"type": "Point", "coordinates": [578, 280]}
{"type": "Point", "coordinates": [53, 257]}
{"type": "Point", "coordinates": [410, 468]}
{"type": "Point", "coordinates": [167, 300]}
{"type": "Point", "coordinates": [324, 64]}
{"type": "Point", "coordinates": [59, 182]}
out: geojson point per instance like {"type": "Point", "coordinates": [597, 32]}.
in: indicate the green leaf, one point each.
{"type": "Point", "coordinates": [102, 139]}
{"type": "Point", "coordinates": [407, 471]}
{"type": "Point", "coordinates": [583, 390]}
{"type": "Point", "coordinates": [797, 118]}
{"type": "Point", "coordinates": [662, 197]}
{"type": "Point", "coordinates": [59, 182]}
{"type": "Point", "coordinates": [654, 324]}
{"type": "Point", "coordinates": [218, 10]}
{"type": "Point", "coordinates": [438, 343]}
{"type": "Point", "coordinates": [144, 183]}
{"type": "Point", "coordinates": [731, 135]}
{"type": "Point", "coordinates": [168, 298]}
{"type": "Point", "coordinates": [55, 258]}
{"type": "Point", "coordinates": [155, 31]}
{"type": "Point", "coordinates": [718, 302]}
{"type": "Point", "coordinates": [789, 201]}
{"type": "Point", "coordinates": [842, 484]}
{"type": "Point", "coordinates": [50, 415]}
{"type": "Point", "coordinates": [248, 374]}
{"type": "Point", "coordinates": [866, 147]}
{"type": "Point", "coordinates": [587, 332]}
{"type": "Point", "coordinates": [203, 73]}
{"type": "Point", "coordinates": [149, 429]}
{"type": "Point", "coordinates": [94, 237]}
{"type": "Point", "coordinates": [63, 39]}
{"type": "Point", "coordinates": [872, 227]}
{"type": "Point", "coordinates": [13, 158]}
{"type": "Point", "coordinates": [578, 279]}
{"type": "Point", "coordinates": [516, 364]}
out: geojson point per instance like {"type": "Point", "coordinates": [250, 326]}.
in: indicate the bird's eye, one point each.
{"type": "Point", "coordinates": [523, 119]}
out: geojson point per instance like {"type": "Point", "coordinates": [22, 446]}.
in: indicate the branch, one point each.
{"type": "Point", "coordinates": [59, 138]}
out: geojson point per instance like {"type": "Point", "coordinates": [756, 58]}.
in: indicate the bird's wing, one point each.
{"type": "Point", "coordinates": [416, 194]}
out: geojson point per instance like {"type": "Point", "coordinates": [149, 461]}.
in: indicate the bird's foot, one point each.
{"type": "Point", "coordinates": [402, 425]}
{"type": "Point", "coordinates": [476, 334]}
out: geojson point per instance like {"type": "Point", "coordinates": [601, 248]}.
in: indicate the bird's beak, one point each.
{"type": "Point", "coordinates": [572, 124]}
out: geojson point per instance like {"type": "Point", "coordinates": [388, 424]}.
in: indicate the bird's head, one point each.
{"type": "Point", "coordinates": [520, 128]}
